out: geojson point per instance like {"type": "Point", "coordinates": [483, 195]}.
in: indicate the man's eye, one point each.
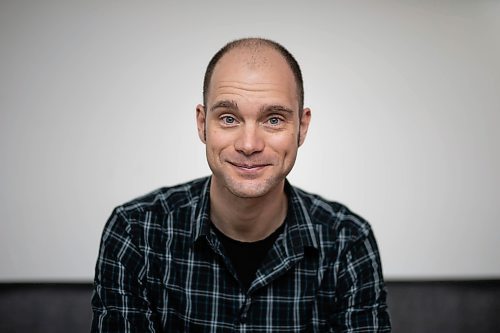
{"type": "Point", "coordinates": [228, 120]}
{"type": "Point", "coordinates": [274, 121]}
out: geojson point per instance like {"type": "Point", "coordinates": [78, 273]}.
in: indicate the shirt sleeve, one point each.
{"type": "Point", "coordinates": [361, 295]}
{"type": "Point", "coordinates": [119, 301]}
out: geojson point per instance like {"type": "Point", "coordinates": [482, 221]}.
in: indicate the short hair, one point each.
{"type": "Point", "coordinates": [255, 43]}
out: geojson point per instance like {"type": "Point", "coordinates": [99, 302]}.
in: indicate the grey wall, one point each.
{"type": "Point", "coordinates": [97, 106]}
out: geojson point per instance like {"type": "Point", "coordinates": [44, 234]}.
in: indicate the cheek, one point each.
{"type": "Point", "coordinates": [285, 139]}
{"type": "Point", "coordinates": [214, 138]}
{"type": "Point", "coordinates": [283, 144]}
{"type": "Point", "coordinates": [217, 142]}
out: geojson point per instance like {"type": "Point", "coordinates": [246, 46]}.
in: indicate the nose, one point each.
{"type": "Point", "coordinates": [249, 140]}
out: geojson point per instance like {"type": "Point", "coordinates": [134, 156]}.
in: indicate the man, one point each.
{"type": "Point", "coordinates": [242, 250]}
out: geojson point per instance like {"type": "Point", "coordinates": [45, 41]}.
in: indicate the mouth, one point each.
{"type": "Point", "coordinates": [249, 167]}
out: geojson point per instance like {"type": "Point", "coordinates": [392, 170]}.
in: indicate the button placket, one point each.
{"type": "Point", "coordinates": [244, 309]}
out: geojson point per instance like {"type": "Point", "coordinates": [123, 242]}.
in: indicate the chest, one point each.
{"type": "Point", "coordinates": [197, 291]}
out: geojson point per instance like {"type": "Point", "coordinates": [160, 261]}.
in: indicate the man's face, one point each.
{"type": "Point", "coordinates": [251, 125]}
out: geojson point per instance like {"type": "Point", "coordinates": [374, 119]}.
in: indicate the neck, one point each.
{"type": "Point", "coordinates": [247, 219]}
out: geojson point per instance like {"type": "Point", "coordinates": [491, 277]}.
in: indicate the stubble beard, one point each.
{"type": "Point", "coordinates": [251, 188]}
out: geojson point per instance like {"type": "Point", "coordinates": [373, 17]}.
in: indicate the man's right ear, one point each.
{"type": "Point", "coordinates": [201, 122]}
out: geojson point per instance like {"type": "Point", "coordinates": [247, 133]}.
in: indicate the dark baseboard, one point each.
{"type": "Point", "coordinates": [416, 306]}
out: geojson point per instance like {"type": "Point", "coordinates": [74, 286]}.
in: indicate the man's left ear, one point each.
{"type": "Point", "coordinates": [304, 125]}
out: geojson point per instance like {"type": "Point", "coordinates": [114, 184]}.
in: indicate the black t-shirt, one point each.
{"type": "Point", "coordinates": [246, 257]}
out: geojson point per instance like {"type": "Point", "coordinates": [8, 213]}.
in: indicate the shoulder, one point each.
{"type": "Point", "coordinates": [334, 220]}
{"type": "Point", "coordinates": [165, 210]}
{"type": "Point", "coordinates": [166, 200]}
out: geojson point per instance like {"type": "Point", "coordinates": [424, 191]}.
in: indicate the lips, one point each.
{"type": "Point", "coordinates": [248, 166]}
{"type": "Point", "coordinates": [251, 170]}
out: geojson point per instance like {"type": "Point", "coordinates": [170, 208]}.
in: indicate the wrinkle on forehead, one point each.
{"type": "Point", "coordinates": [249, 86]}
{"type": "Point", "coordinates": [240, 87]}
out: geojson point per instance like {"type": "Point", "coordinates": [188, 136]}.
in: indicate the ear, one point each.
{"type": "Point", "coordinates": [304, 125]}
{"type": "Point", "coordinates": [201, 122]}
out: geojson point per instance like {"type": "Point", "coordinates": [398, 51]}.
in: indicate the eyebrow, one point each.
{"type": "Point", "coordinates": [225, 104]}
{"type": "Point", "coordinates": [276, 108]}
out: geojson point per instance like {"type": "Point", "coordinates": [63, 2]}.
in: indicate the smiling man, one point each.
{"type": "Point", "coordinates": [242, 250]}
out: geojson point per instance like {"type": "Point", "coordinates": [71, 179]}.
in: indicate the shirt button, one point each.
{"type": "Point", "coordinates": [243, 318]}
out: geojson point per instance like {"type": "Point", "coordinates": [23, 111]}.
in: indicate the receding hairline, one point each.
{"type": "Point", "coordinates": [255, 45]}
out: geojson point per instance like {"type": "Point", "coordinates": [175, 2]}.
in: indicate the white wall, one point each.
{"type": "Point", "coordinates": [97, 106]}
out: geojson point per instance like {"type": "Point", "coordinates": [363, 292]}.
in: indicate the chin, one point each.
{"type": "Point", "coordinates": [251, 188]}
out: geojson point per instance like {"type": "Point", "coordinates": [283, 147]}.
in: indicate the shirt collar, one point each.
{"type": "Point", "coordinates": [201, 225]}
{"type": "Point", "coordinates": [299, 230]}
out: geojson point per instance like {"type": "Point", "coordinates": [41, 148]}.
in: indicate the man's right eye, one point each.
{"type": "Point", "coordinates": [229, 120]}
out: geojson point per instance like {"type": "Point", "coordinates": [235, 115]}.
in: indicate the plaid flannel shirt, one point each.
{"type": "Point", "coordinates": [161, 268]}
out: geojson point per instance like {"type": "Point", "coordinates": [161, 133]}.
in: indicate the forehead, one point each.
{"type": "Point", "coordinates": [253, 70]}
